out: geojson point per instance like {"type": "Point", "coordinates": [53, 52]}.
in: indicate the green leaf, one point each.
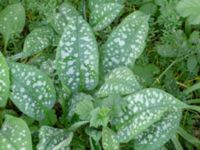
{"type": "Point", "coordinates": [126, 42]}
{"type": "Point", "coordinates": [192, 88]}
{"type": "Point", "coordinates": [54, 139]}
{"type": "Point", "coordinates": [94, 133]}
{"type": "Point", "coordinates": [144, 108]}
{"type": "Point", "coordinates": [32, 90]}
{"type": "Point", "coordinates": [99, 116]}
{"type": "Point", "coordinates": [74, 101]}
{"type": "Point", "coordinates": [4, 81]}
{"type": "Point", "coordinates": [160, 133]}
{"type": "Point", "coordinates": [76, 125]}
{"type": "Point", "coordinates": [120, 81]}
{"type": "Point", "coordinates": [12, 21]}
{"type": "Point", "coordinates": [109, 140]}
{"type": "Point", "coordinates": [149, 8]}
{"type": "Point", "coordinates": [103, 13]}
{"type": "Point", "coordinates": [77, 59]}
{"type": "Point", "coordinates": [192, 63]}
{"type": "Point", "coordinates": [114, 102]}
{"type": "Point", "coordinates": [84, 108]}
{"type": "Point", "coordinates": [15, 134]}
{"type": "Point", "coordinates": [190, 9]}
{"type": "Point", "coordinates": [39, 39]}
{"type": "Point", "coordinates": [60, 20]}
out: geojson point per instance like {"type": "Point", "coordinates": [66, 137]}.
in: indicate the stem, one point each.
{"type": "Point", "coordinates": [188, 137]}
{"type": "Point", "coordinates": [164, 72]}
{"type": "Point", "coordinates": [170, 66]}
{"type": "Point", "coordinates": [176, 142]}
{"type": "Point", "coordinates": [193, 101]}
{"type": "Point", "coordinates": [5, 47]}
{"type": "Point", "coordinates": [187, 28]}
{"type": "Point", "coordinates": [17, 56]}
{"type": "Point", "coordinates": [84, 9]}
{"type": "Point", "coordinates": [195, 108]}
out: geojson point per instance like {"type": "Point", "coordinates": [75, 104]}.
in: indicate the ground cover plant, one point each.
{"type": "Point", "coordinates": [99, 74]}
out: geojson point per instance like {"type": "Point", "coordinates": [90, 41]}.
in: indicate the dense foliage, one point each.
{"type": "Point", "coordinates": [99, 74]}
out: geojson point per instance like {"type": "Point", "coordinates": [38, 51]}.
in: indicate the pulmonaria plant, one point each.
{"type": "Point", "coordinates": [104, 94]}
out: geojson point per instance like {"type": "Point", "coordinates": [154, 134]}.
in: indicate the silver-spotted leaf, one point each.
{"type": "Point", "coordinates": [32, 90]}
{"type": "Point", "coordinates": [103, 13]}
{"type": "Point", "coordinates": [4, 81]}
{"type": "Point", "coordinates": [190, 9]}
{"type": "Point", "coordinates": [12, 20]}
{"type": "Point", "coordinates": [109, 140]}
{"type": "Point", "coordinates": [54, 139]}
{"type": "Point", "coordinates": [75, 100]}
{"type": "Point", "coordinates": [39, 39]}
{"type": "Point", "coordinates": [77, 59]}
{"type": "Point", "coordinates": [15, 134]}
{"type": "Point", "coordinates": [159, 133]}
{"type": "Point", "coordinates": [138, 123]}
{"type": "Point", "coordinates": [143, 109]}
{"type": "Point", "coordinates": [126, 42]}
{"type": "Point", "coordinates": [60, 19]}
{"type": "Point", "coordinates": [120, 81]}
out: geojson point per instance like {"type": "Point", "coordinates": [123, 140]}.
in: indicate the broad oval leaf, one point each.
{"type": "Point", "coordinates": [190, 9]}
{"type": "Point", "coordinates": [60, 19]}
{"type": "Point", "coordinates": [120, 81]}
{"type": "Point", "coordinates": [109, 140]}
{"type": "Point", "coordinates": [126, 42]}
{"type": "Point", "coordinates": [32, 90]}
{"type": "Point", "coordinates": [84, 108]}
{"type": "Point", "coordinates": [77, 59]}
{"type": "Point", "coordinates": [138, 123]}
{"type": "Point", "coordinates": [15, 134]}
{"type": "Point", "coordinates": [4, 81]}
{"type": "Point", "coordinates": [54, 139]}
{"type": "Point", "coordinates": [159, 133]}
{"type": "Point", "coordinates": [39, 39]}
{"type": "Point", "coordinates": [75, 100]}
{"type": "Point", "coordinates": [12, 20]}
{"type": "Point", "coordinates": [103, 13]}
{"type": "Point", "coordinates": [144, 108]}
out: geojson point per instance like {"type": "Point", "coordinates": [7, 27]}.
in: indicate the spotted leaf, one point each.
{"type": "Point", "coordinates": [120, 81]}
{"type": "Point", "coordinates": [103, 13]}
{"type": "Point", "coordinates": [109, 140]}
{"type": "Point", "coordinates": [12, 21]}
{"type": "Point", "coordinates": [159, 133]}
{"type": "Point", "coordinates": [32, 90]}
{"type": "Point", "coordinates": [15, 134]}
{"type": "Point", "coordinates": [37, 40]}
{"type": "Point", "coordinates": [126, 42]}
{"type": "Point", "coordinates": [138, 124]}
{"type": "Point", "coordinates": [60, 19]}
{"type": "Point", "coordinates": [144, 108]}
{"type": "Point", "coordinates": [75, 100]}
{"type": "Point", "coordinates": [4, 81]}
{"type": "Point", "coordinates": [77, 59]}
{"type": "Point", "coordinates": [54, 139]}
